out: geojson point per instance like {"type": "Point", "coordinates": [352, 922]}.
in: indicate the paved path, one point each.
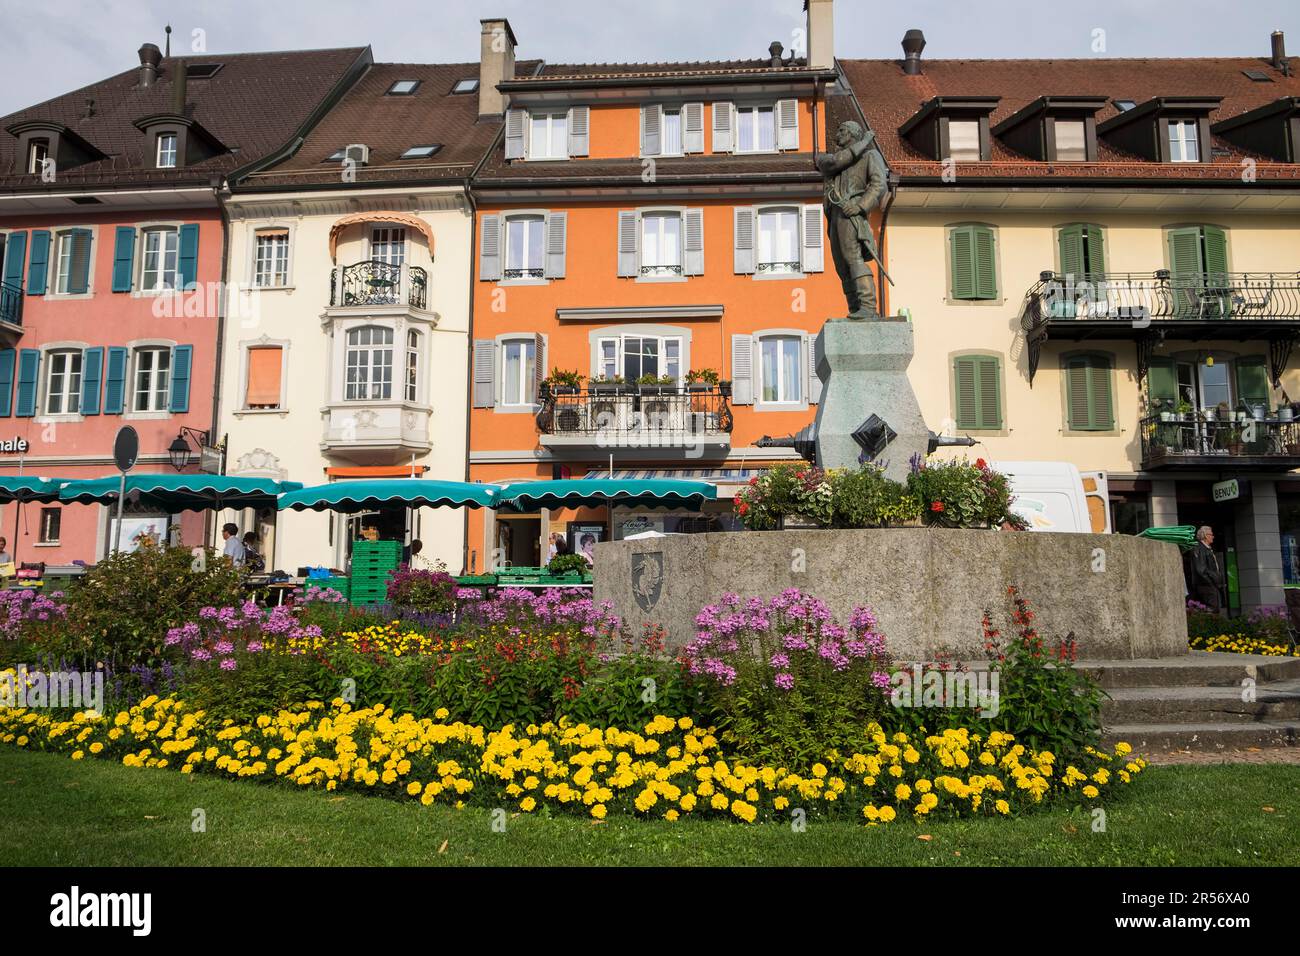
{"type": "Point", "coordinates": [1287, 755]}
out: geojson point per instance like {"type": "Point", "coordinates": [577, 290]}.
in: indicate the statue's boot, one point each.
{"type": "Point", "coordinates": [864, 294]}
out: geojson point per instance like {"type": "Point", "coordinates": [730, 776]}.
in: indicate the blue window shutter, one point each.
{"type": "Point", "coordinates": [180, 397]}
{"type": "Point", "coordinates": [92, 375]}
{"type": "Point", "coordinates": [115, 382]}
{"type": "Point", "coordinates": [29, 363]}
{"type": "Point", "coordinates": [7, 357]}
{"type": "Point", "coordinates": [15, 258]}
{"type": "Point", "coordinates": [123, 258]}
{"type": "Point", "coordinates": [39, 269]}
{"type": "Point", "coordinates": [188, 263]}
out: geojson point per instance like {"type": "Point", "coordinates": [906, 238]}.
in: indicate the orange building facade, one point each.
{"type": "Point", "coordinates": [651, 269]}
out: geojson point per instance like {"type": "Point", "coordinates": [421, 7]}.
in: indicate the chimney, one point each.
{"type": "Point", "coordinates": [150, 57]}
{"type": "Point", "coordinates": [496, 62]}
{"type": "Point", "coordinates": [913, 44]}
{"type": "Point", "coordinates": [1279, 49]}
{"type": "Point", "coordinates": [821, 34]}
{"type": "Point", "coordinates": [179, 82]}
{"type": "Point", "coordinates": [774, 51]}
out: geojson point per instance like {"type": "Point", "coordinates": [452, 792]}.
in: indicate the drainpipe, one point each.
{"type": "Point", "coordinates": [220, 191]}
{"type": "Point", "coordinates": [469, 365]}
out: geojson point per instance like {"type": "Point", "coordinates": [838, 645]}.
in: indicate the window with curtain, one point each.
{"type": "Point", "coordinates": [670, 131]}
{"type": "Point", "coordinates": [778, 241]}
{"type": "Point", "coordinates": [661, 243]}
{"type": "Point", "coordinates": [265, 371]}
{"type": "Point", "coordinates": [964, 140]}
{"type": "Point", "coordinates": [369, 364]}
{"type": "Point", "coordinates": [780, 368]}
{"type": "Point", "coordinates": [152, 374]}
{"type": "Point", "coordinates": [1184, 146]}
{"type": "Point", "coordinates": [1071, 141]}
{"type": "Point", "coordinates": [271, 262]}
{"type": "Point", "coordinates": [755, 129]}
{"type": "Point", "coordinates": [63, 383]}
{"type": "Point", "coordinates": [158, 269]}
{"type": "Point", "coordinates": [548, 136]}
{"type": "Point", "coordinates": [524, 247]}
{"type": "Point", "coordinates": [518, 371]}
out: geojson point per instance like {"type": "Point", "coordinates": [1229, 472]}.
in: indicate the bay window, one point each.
{"type": "Point", "coordinates": [412, 364]}
{"type": "Point", "coordinates": [369, 364]}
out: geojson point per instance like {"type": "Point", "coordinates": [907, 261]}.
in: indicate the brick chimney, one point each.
{"type": "Point", "coordinates": [821, 34]}
{"type": "Point", "coordinates": [496, 62]}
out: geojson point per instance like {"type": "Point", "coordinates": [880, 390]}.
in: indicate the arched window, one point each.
{"type": "Point", "coordinates": [369, 364]}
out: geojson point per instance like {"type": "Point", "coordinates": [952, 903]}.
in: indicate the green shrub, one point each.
{"type": "Point", "coordinates": [121, 608]}
{"type": "Point", "coordinates": [568, 564]}
{"type": "Point", "coordinates": [425, 592]}
{"type": "Point", "coordinates": [790, 490]}
{"type": "Point", "coordinates": [958, 494]}
{"type": "Point", "coordinates": [865, 498]}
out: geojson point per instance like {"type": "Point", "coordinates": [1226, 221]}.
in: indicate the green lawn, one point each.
{"type": "Point", "coordinates": [92, 813]}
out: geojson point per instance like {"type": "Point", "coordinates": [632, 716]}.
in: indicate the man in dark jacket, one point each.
{"type": "Point", "coordinates": [1204, 573]}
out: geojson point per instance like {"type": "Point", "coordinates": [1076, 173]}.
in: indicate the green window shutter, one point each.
{"type": "Point", "coordinates": [1070, 242]}
{"type": "Point", "coordinates": [986, 281]}
{"type": "Point", "coordinates": [1216, 250]}
{"type": "Point", "coordinates": [1186, 268]}
{"type": "Point", "coordinates": [1162, 383]}
{"type": "Point", "coordinates": [29, 364]}
{"type": "Point", "coordinates": [123, 258]}
{"type": "Point", "coordinates": [1093, 238]}
{"type": "Point", "coordinates": [39, 269]}
{"type": "Point", "coordinates": [977, 385]}
{"type": "Point", "coordinates": [187, 265]}
{"type": "Point", "coordinates": [7, 357]}
{"type": "Point", "coordinates": [1088, 395]}
{"type": "Point", "coordinates": [79, 267]}
{"type": "Point", "coordinates": [15, 259]}
{"type": "Point", "coordinates": [115, 382]}
{"type": "Point", "coordinates": [1252, 381]}
{"type": "Point", "coordinates": [92, 370]}
{"type": "Point", "coordinates": [180, 394]}
{"type": "Point", "coordinates": [961, 245]}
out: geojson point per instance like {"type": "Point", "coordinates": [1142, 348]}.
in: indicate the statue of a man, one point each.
{"type": "Point", "coordinates": [855, 179]}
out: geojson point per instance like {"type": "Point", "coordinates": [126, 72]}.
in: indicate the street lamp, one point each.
{"type": "Point", "coordinates": [179, 450]}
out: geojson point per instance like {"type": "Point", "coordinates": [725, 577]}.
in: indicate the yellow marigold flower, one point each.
{"type": "Point", "coordinates": [819, 770]}
{"type": "Point", "coordinates": [528, 804]}
{"type": "Point", "coordinates": [1002, 807]}
{"type": "Point", "coordinates": [1090, 791]}
{"type": "Point", "coordinates": [887, 814]}
{"type": "Point", "coordinates": [671, 815]}
{"type": "Point", "coordinates": [923, 786]}
{"type": "Point", "coordinates": [598, 811]}
{"type": "Point", "coordinates": [902, 792]}
{"type": "Point", "coordinates": [96, 747]}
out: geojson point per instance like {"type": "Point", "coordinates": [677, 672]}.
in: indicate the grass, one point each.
{"type": "Point", "coordinates": [93, 813]}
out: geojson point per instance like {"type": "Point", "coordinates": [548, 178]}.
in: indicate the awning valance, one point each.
{"type": "Point", "coordinates": [398, 218]}
{"type": "Point", "coordinates": [596, 492]}
{"type": "Point", "coordinates": [366, 494]}
{"type": "Point", "coordinates": [173, 493]}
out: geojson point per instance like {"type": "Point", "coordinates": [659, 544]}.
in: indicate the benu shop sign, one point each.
{"type": "Point", "coordinates": [11, 446]}
{"type": "Point", "coordinates": [1225, 490]}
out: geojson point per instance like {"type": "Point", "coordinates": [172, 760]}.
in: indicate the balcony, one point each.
{"type": "Point", "coordinates": [663, 420]}
{"type": "Point", "coordinates": [378, 432]}
{"type": "Point", "coordinates": [1271, 444]}
{"type": "Point", "coordinates": [11, 313]}
{"type": "Point", "coordinates": [374, 283]}
{"type": "Point", "coordinates": [1149, 307]}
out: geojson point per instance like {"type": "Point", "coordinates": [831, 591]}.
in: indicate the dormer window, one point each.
{"type": "Point", "coordinates": [1054, 129]}
{"type": "Point", "coordinates": [548, 136]}
{"type": "Point", "coordinates": [755, 129]}
{"type": "Point", "coordinates": [38, 150]}
{"type": "Point", "coordinates": [1271, 130]}
{"type": "Point", "coordinates": [1183, 144]}
{"type": "Point", "coordinates": [952, 128]}
{"type": "Point", "coordinates": [166, 156]}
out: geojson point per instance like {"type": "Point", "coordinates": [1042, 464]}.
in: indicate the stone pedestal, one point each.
{"type": "Point", "coordinates": [863, 370]}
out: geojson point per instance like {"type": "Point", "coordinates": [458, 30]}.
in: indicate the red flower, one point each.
{"type": "Point", "coordinates": [981, 463]}
{"type": "Point", "coordinates": [743, 508]}
{"type": "Point", "coordinates": [937, 506]}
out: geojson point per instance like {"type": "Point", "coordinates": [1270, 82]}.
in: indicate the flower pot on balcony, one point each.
{"type": "Point", "coordinates": [1285, 414]}
{"type": "Point", "coordinates": [1259, 412]}
{"type": "Point", "coordinates": [656, 389]}
{"type": "Point", "coordinates": [724, 388]}
{"type": "Point", "coordinates": [698, 386]}
{"type": "Point", "coordinates": [607, 388]}
{"type": "Point", "coordinates": [564, 390]}
{"type": "Point", "coordinates": [1166, 416]}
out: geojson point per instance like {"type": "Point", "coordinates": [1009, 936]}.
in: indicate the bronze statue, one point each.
{"type": "Point", "coordinates": [855, 179]}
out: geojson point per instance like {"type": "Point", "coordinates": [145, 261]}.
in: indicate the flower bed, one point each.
{"type": "Point", "coordinates": [668, 768]}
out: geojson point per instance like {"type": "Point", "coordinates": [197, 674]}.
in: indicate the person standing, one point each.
{"type": "Point", "coordinates": [234, 548]}
{"type": "Point", "coordinates": [253, 559]}
{"type": "Point", "coordinates": [1204, 572]}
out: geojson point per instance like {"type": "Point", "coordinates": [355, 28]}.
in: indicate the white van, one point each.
{"type": "Point", "coordinates": [1056, 496]}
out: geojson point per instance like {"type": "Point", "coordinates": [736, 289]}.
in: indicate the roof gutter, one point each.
{"type": "Point", "coordinates": [686, 79]}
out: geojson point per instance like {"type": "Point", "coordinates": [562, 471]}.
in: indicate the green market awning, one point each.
{"type": "Point", "coordinates": [598, 492]}
{"type": "Point", "coordinates": [1183, 535]}
{"type": "Point", "coordinates": [15, 488]}
{"type": "Point", "coordinates": [172, 493]}
{"type": "Point", "coordinates": [368, 494]}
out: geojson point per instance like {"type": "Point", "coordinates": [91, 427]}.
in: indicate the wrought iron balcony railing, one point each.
{"type": "Point", "coordinates": [611, 410]}
{"type": "Point", "coordinates": [1162, 295]}
{"type": "Point", "coordinates": [11, 303]}
{"type": "Point", "coordinates": [665, 270]}
{"type": "Point", "coordinates": [375, 282]}
{"type": "Point", "coordinates": [1186, 440]}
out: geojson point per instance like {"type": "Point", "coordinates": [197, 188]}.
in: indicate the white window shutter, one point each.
{"type": "Point", "coordinates": [814, 387]}
{"type": "Point", "coordinates": [539, 364]}
{"type": "Point", "coordinates": [557, 224]}
{"type": "Point", "coordinates": [692, 127]}
{"type": "Point", "coordinates": [814, 255]}
{"type": "Point", "coordinates": [516, 123]}
{"type": "Point", "coordinates": [787, 124]}
{"type": "Point", "coordinates": [579, 130]}
{"type": "Point", "coordinates": [627, 242]}
{"type": "Point", "coordinates": [651, 127]}
{"type": "Point", "coordinates": [489, 253]}
{"type": "Point", "coordinates": [744, 240]}
{"type": "Point", "coordinates": [723, 127]}
{"type": "Point", "coordinates": [485, 367]}
{"type": "Point", "coordinates": [742, 370]}
{"type": "Point", "coordinates": [693, 227]}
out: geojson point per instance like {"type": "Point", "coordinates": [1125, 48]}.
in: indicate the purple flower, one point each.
{"type": "Point", "coordinates": [780, 661]}
{"type": "Point", "coordinates": [784, 680]}
{"type": "Point", "coordinates": [228, 664]}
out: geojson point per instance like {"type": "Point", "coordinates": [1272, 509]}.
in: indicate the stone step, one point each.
{"type": "Point", "coordinates": [1148, 738]}
{"type": "Point", "coordinates": [1194, 669]}
{"type": "Point", "coordinates": [1276, 701]}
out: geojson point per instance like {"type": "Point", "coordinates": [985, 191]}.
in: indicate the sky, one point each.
{"type": "Point", "coordinates": [55, 46]}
